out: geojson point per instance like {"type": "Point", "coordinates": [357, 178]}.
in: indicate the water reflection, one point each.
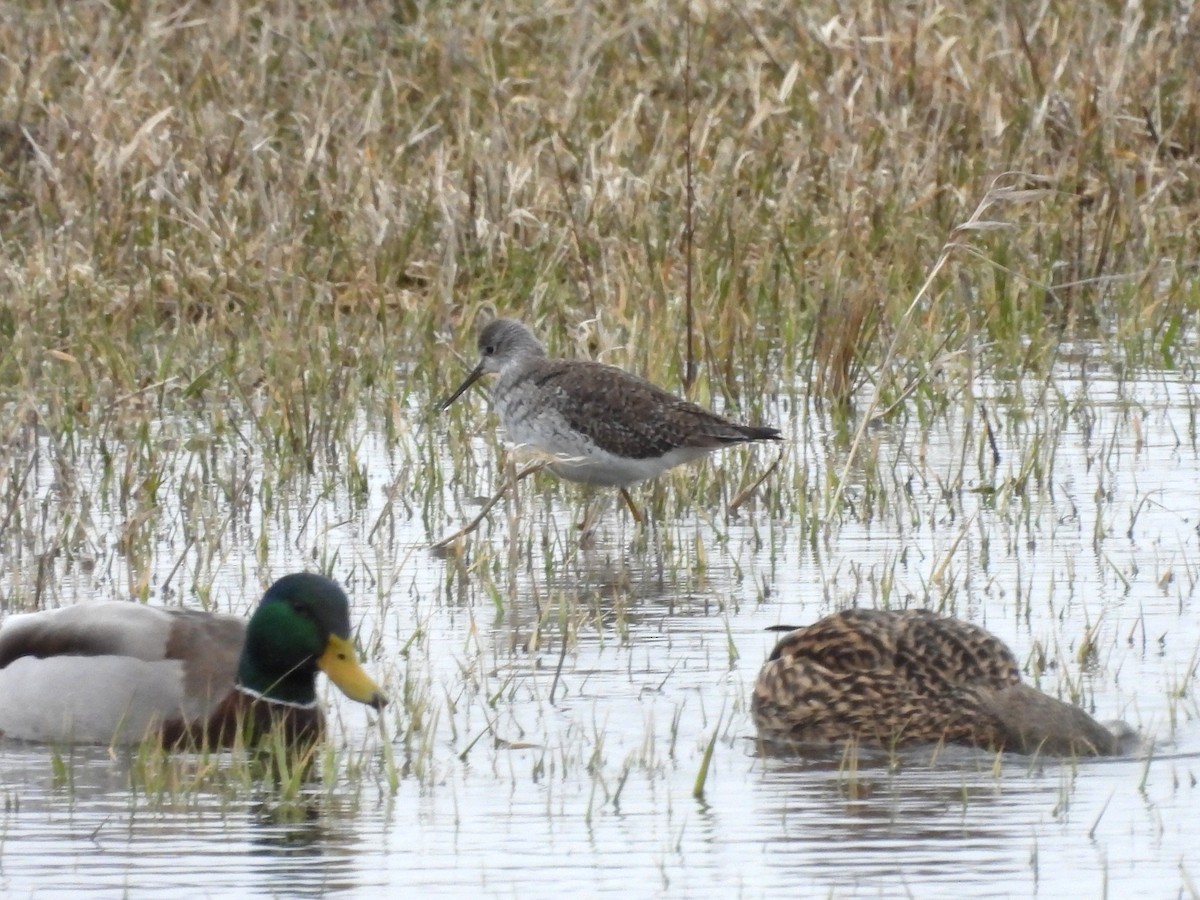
{"type": "Point", "coordinates": [307, 848]}
{"type": "Point", "coordinates": [561, 694]}
{"type": "Point", "coordinates": [92, 814]}
{"type": "Point", "coordinates": [920, 824]}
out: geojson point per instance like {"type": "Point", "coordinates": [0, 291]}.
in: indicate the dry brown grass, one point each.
{"type": "Point", "coordinates": [266, 216]}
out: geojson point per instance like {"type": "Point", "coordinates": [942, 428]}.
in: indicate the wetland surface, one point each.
{"type": "Point", "coordinates": [511, 765]}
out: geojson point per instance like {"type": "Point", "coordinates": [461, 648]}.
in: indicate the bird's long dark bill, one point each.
{"type": "Point", "coordinates": [340, 663]}
{"type": "Point", "coordinates": [471, 379]}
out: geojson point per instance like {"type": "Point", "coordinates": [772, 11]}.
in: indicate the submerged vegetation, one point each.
{"type": "Point", "coordinates": [245, 250]}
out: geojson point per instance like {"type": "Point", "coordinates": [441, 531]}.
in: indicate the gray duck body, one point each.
{"type": "Point", "coordinates": [120, 672]}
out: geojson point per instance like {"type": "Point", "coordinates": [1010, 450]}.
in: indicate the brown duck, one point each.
{"type": "Point", "coordinates": [906, 677]}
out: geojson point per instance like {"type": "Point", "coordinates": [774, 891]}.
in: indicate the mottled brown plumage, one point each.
{"type": "Point", "coordinates": [904, 677]}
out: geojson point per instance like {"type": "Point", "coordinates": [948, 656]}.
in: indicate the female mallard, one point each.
{"type": "Point", "coordinates": [906, 677]}
{"type": "Point", "coordinates": [118, 672]}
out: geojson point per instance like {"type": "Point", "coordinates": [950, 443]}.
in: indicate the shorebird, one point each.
{"type": "Point", "coordinates": [906, 677]}
{"type": "Point", "coordinates": [596, 423]}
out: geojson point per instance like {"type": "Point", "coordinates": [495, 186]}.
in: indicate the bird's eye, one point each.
{"type": "Point", "coordinates": [489, 349]}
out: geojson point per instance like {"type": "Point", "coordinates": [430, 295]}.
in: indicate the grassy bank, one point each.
{"type": "Point", "coordinates": [268, 221]}
{"type": "Point", "coordinates": [240, 201]}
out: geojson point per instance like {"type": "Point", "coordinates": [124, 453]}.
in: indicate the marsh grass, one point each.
{"type": "Point", "coordinates": [300, 202]}
{"type": "Point", "coordinates": [244, 250]}
{"type": "Point", "coordinates": [248, 231]}
{"type": "Point", "coordinates": [284, 782]}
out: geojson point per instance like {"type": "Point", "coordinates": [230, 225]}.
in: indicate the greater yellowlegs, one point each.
{"type": "Point", "coordinates": [597, 424]}
{"type": "Point", "coordinates": [902, 677]}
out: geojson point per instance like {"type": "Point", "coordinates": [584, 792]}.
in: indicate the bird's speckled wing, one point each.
{"type": "Point", "coordinates": [928, 645]}
{"type": "Point", "coordinates": [914, 644]}
{"type": "Point", "coordinates": [884, 675]}
{"type": "Point", "coordinates": [651, 423]}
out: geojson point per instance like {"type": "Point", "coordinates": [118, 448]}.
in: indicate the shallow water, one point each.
{"type": "Point", "coordinates": [539, 772]}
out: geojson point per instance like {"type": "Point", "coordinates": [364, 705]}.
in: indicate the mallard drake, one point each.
{"type": "Point", "coordinates": [117, 672]}
{"type": "Point", "coordinates": [906, 677]}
